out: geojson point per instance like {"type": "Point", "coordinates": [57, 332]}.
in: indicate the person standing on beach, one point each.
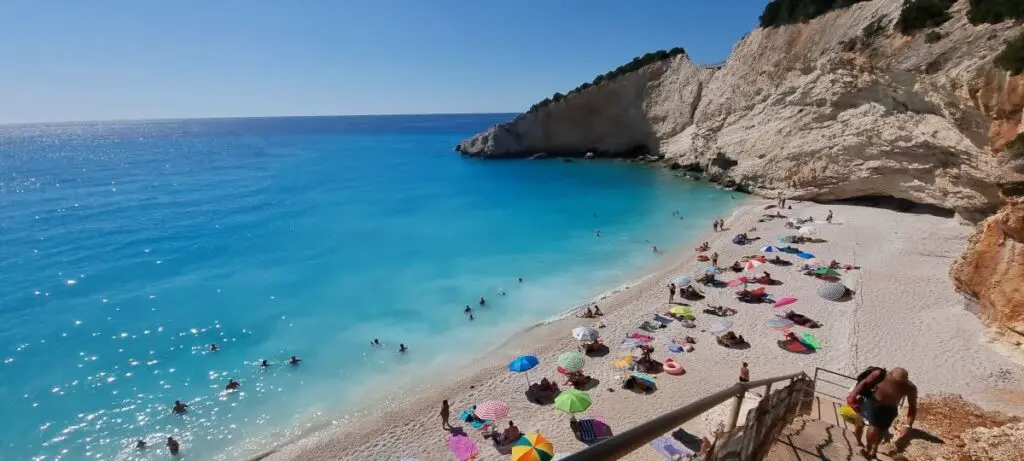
{"type": "Point", "coordinates": [445, 414]}
{"type": "Point", "coordinates": [714, 259]}
{"type": "Point", "coordinates": [721, 225]}
{"type": "Point", "coordinates": [828, 218]}
{"type": "Point", "coordinates": [671, 292]}
{"type": "Point", "coordinates": [714, 225]}
{"type": "Point", "coordinates": [744, 373]}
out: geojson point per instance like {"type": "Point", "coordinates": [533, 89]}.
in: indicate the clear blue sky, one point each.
{"type": "Point", "coordinates": [105, 59]}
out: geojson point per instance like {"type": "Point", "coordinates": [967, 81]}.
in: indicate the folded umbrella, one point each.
{"type": "Point", "coordinates": [782, 302]}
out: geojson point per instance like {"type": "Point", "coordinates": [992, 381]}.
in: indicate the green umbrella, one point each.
{"type": "Point", "coordinates": [826, 271]}
{"type": "Point", "coordinates": [571, 360]}
{"type": "Point", "coordinates": [572, 401]}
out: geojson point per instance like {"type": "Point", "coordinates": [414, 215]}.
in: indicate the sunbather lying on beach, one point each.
{"type": "Point", "coordinates": [730, 339]}
{"type": "Point", "coordinates": [736, 266]}
{"type": "Point", "coordinates": [706, 279]}
{"type": "Point", "coordinates": [587, 314]}
{"type": "Point", "coordinates": [691, 293]}
{"type": "Point", "coordinates": [703, 247]}
{"type": "Point", "coordinates": [720, 311]}
{"type": "Point", "coordinates": [802, 320]}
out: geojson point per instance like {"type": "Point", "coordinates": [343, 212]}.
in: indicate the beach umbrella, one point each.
{"type": "Point", "coordinates": [522, 364]}
{"type": "Point", "coordinates": [809, 339]}
{"type": "Point", "coordinates": [572, 401]}
{"type": "Point", "coordinates": [808, 230]}
{"type": "Point", "coordinates": [752, 264]}
{"type": "Point", "coordinates": [571, 361]}
{"type": "Point", "coordinates": [533, 447]}
{"type": "Point", "coordinates": [585, 334]}
{"type": "Point", "coordinates": [779, 323]}
{"type": "Point", "coordinates": [680, 310]}
{"type": "Point", "coordinates": [720, 326]}
{"type": "Point", "coordinates": [832, 291]}
{"type": "Point", "coordinates": [682, 280]}
{"type": "Point", "coordinates": [770, 249]}
{"type": "Point", "coordinates": [782, 302]}
{"type": "Point", "coordinates": [491, 410]}
{"type": "Point", "coordinates": [710, 270]}
{"type": "Point", "coordinates": [826, 271]}
{"type": "Point", "coordinates": [805, 255]}
{"type": "Point", "coordinates": [737, 282]}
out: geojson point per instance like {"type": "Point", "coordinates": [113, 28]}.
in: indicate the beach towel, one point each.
{"type": "Point", "coordinates": [641, 337]}
{"type": "Point", "coordinates": [630, 343]}
{"type": "Point", "coordinates": [795, 347]}
{"type": "Point", "coordinates": [675, 348]}
{"type": "Point", "coordinates": [476, 424]}
{"type": "Point", "coordinates": [660, 319]}
{"type": "Point", "coordinates": [594, 430]}
{"type": "Point", "coordinates": [805, 255]}
{"type": "Point", "coordinates": [809, 339]}
{"type": "Point", "coordinates": [462, 447]}
{"type": "Point", "coordinates": [669, 448]}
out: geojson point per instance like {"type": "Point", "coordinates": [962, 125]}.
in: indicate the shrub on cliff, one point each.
{"type": "Point", "coordinates": [933, 36]}
{"type": "Point", "coordinates": [1016, 147]}
{"type": "Point", "coordinates": [636, 64]}
{"type": "Point", "coordinates": [923, 14]}
{"type": "Point", "coordinates": [994, 11]}
{"type": "Point", "coordinates": [782, 12]}
{"type": "Point", "coordinates": [1012, 57]}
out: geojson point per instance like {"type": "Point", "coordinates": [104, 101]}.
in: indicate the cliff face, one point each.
{"type": "Point", "coordinates": [820, 110]}
{"type": "Point", "coordinates": [992, 270]}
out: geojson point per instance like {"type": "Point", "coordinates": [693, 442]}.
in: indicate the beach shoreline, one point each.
{"type": "Point", "coordinates": [398, 422]}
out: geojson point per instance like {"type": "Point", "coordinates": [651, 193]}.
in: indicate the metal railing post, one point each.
{"type": "Point", "coordinates": [767, 391]}
{"type": "Point", "coordinates": [734, 415]}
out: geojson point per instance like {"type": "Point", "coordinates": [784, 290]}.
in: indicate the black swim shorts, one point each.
{"type": "Point", "coordinates": [878, 415]}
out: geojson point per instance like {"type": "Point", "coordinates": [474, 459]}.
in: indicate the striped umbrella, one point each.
{"type": "Point", "coordinates": [720, 326]}
{"type": "Point", "coordinates": [832, 291]}
{"type": "Point", "coordinates": [533, 447]}
{"type": "Point", "coordinates": [770, 249]}
{"type": "Point", "coordinates": [571, 360]}
{"type": "Point", "coordinates": [491, 410]}
{"type": "Point", "coordinates": [752, 264]}
{"type": "Point", "coordinates": [572, 401]}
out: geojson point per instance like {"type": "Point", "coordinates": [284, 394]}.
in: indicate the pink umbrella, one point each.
{"type": "Point", "coordinates": [463, 447]}
{"type": "Point", "coordinates": [491, 410]}
{"type": "Point", "coordinates": [752, 264]}
{"type": "Point", "coordinates": [737, 282]}
{"type": "Point", "coordinates": [782, 302]}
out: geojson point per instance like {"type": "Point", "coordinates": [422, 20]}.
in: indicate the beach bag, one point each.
{"type": "Point", "coordinates": [849, 414]}
{"type": "Point", "coordinates": [868, 392]}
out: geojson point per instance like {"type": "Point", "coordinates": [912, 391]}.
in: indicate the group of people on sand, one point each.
{"type": "Point", "coordinates": [589, 313]}
{"type": "Point", "coordinates": [718, 225]}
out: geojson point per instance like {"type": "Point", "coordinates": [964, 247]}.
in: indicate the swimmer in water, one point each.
{"type": "Point", "coordinates": [214, 348]}
{"type": "Point", "coordinates": [264, 363]}
{"type": "Point", "coordinates": [140, 445]}
{"type": "Point", "coordinates": [232, 385]}
{"type": "Point", "coordinates": [482, 301]}
{"type": "Point", "coordinates": [501, 291]}
{"type": "Point", "coordinates": [173, 446]}
{"type": "Point", "coordinates": [375, 342]}
{"type": "Point", "coordinates": [179, 408]}
{"type": "Point", "coordinates": [467, 309]}
{"type": "Point", "coordinates": [471, 316]}
{"type": "Point", "coordinates": [520, 280]}
{"type": "Point", "coordinates": [294, 360]}
{"type": "Point", "coordinates": [402, 349]}
{"type": "Point", "coordinates": [654, 248]}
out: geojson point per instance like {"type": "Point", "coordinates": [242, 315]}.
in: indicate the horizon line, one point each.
{"type": "Point", "coordinates": [242, 117]}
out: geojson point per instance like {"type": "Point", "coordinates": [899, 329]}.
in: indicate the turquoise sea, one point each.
{"type": "Point", "coordinates": [126, 248]}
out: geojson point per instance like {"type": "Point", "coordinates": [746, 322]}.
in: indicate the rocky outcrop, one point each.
{"type": "Point", "coordinates": [992, 270]}
{"type": "Point", "coordinates": [963, 431]}
{"type": "Point", "coordinates": [819, 110]}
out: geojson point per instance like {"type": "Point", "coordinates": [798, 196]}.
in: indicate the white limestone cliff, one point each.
{"type": "Point", "coordinates": [818, 110]}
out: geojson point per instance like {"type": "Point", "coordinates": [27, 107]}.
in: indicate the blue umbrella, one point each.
{"type": "Point", "coordinates": [805, 255]}
{"type": "Point", "coordinates": [522, 364]}
{"type": "Point", "coordinates": [682, 281]}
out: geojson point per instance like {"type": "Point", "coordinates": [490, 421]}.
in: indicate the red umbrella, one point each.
{"type": "Point", "coordinates": [782, 302]}
{"type": "Point", "coordinates": [738, 282]}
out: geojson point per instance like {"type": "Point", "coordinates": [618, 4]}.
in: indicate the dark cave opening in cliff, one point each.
{"type": "Point", "coordinates": [901, 205]}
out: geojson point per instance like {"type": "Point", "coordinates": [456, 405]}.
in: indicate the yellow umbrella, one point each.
{"type": "Point", "coordinates": [680, 310]}
{"type": "Point", "coordinates": [533, 447]}
{"type": "Point", "coordinates": [623, 363]}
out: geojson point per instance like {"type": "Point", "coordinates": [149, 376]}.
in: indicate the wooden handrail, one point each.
{"type": "Point", "coordinates": [626, 442]}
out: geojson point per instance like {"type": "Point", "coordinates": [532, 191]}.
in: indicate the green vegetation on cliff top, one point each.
{"type": "Point", "coordinates": [782, 12]}
{"type": "Point", "coordinates": [923, 14]}
{"type": "Point", "coordinates": [634, 65]}
{"type": "Point", "coordinates": [995, 11]}
{"type": "Point", "coordinates": [1012, 57]}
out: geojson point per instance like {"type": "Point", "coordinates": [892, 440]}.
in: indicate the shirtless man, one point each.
{"type": "Point", "coordinates": [877, 398]}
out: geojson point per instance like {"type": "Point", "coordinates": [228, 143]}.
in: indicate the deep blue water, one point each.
{"type": "Point", "coordinates": [126, 248]}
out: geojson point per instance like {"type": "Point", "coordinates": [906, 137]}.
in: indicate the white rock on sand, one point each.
{"type": "Point", "coordinates": [904, 313]}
